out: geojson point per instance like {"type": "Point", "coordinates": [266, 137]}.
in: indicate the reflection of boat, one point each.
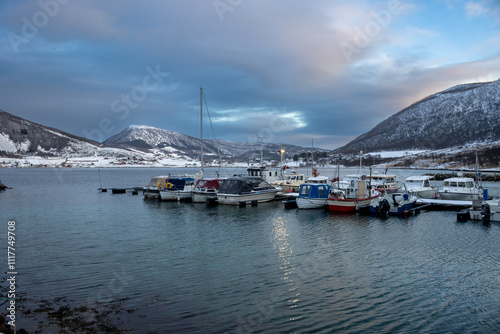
{"type": "Point", "coordinates": [312, 195]}
{"type": "Point", "coordinates": [152, 189]}
{"type": "Point", "coordinates": [393, 204]}
{"type": "Point", "coordinates": [358, 193]}
{"type": "Point", "coordinates": [235, 190]}
{"type": "Point", "coordinates": [206, 189]}
{"type": "Point", "coordinates": [420, 186]}
{"type": "Point", "coordinates": [461, 189]}
{"type": "Point", "coordinates": [178, 189]}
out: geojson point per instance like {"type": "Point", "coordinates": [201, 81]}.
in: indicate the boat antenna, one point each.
{"type": "Point", "coordinates": [201, 131]}
{"type": "Point", "coordinates": [261, 149]}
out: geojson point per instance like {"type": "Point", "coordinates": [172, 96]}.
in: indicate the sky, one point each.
{"type": "Point", "coordinates": [297, 72]}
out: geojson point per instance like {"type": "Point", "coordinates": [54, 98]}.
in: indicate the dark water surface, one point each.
{"type": "Point", "coordinates": [185, 268]}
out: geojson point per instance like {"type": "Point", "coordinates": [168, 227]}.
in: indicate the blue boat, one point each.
{"type": "Point", "coordinates": [313, 195]}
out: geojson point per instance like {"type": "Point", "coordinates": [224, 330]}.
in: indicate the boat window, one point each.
{"type": "Point", "coordinates": [301, 177]}
{"type": "Point", "coordinates": [322, 192]}
{"type": "Point", "coordinates": [426, 183]}
{"type": "Point", "coordinates": [305, 190]}
{"type": "Point", "coordinates": [453, 184]}
{"type": "Point", "coordinates": [461, 184]}
{"type": "Point", "coordinates": [446, 183]}
{"type": "Point", "coordinates": [470, 185]}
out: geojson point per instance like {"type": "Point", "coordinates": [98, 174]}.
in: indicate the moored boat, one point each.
{"type": "Point", "coordinates": [291, 182]}
{"type": "Point", "coordinates": [357, 194]}
{"type": "Point", "coordinates": [238, 189]}
{"type": "Point", "coordinates": [178, 189]}
{"type": "Point", "coordinates": [393, 204]}
{"type": "Point", "coordinates": [155, 184]}
{"type": "Point", "coordinates": [206, 189]}
{"type": "Point", "coordinates": [461, 189]}
{"type": "Point", "coordinates": [313, 195]}
{"type": "Point", "coordinates": [420, 186]}
{"type": "Point", "coordinates": [384, 183]}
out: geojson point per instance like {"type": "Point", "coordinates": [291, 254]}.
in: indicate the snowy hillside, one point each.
{"type": "Point", "coordinates": [154, 140]}
{"type": "Point", "coordinates": [20, 137]}
{"type": "Point", "coordinates": [456, 116]}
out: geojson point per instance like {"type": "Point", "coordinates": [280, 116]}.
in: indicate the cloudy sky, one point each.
{"type": "Point", "coordinates": [286, 70]}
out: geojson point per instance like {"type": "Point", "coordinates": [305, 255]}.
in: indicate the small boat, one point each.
{"type": "Point", "coordinates": [291, 182]}
{"type": "Point", "coordinates": [485, 210]}
{"type": "Point", "coordinates": [318, 179]}
{"type": "Point", "coordinates": [155, 184]}
{"type": "Point", "coordinates": [358, 193]}
{"type": "Point", "coordinates": [384, 183]}
{"type": "Point", "coordinates": [420, 187]}
{"type": "Point", "coordinates": [206, 189]}
{"type": "Point", "coordinates": [238, 189]}
{"type": "Point", "coordinates": [393, 204]}
{"type": "Point", "coordinates": [313, 195]}
{"type": "Point", "coordinates": [178, 189]}
{"type": "Point", "coordinates": [461, 189]}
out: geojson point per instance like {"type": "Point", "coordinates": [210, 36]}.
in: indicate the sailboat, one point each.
{"type": "Point", "coordinates": [205, 188]}
{"type": "Point", "coordinates": [181, 188]}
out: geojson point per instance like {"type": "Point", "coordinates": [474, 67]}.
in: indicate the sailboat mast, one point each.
{"type": "Point", "coordinates": [201, 129]}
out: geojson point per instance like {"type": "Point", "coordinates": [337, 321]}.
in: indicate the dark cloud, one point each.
{"type": "Point", "coordinates": [267, 68]}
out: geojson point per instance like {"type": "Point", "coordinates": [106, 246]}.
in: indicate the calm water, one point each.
{"type": "Point", "coordinates": [185, 268]}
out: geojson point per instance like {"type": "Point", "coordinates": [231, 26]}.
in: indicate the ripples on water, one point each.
{"type": "Point", "coordinates": [189, 268]}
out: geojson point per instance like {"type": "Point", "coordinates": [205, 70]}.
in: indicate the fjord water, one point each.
{"type": "Point", "coordinates": [188, 268]}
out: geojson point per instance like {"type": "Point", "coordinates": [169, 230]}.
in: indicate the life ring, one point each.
{"type": "Point", "coordinates": [168, 185]}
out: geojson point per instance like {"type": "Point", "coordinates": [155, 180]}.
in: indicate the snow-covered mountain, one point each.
{"type": "Point", "coordinates": [20, 137]}
{"type": "Point", "coordinates": [160, 141]}
{"type": "Point", "coordinates": [456, 116]}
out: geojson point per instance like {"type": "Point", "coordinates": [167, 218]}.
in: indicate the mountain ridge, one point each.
{"type": "Point", "coordinates": [437, 121]}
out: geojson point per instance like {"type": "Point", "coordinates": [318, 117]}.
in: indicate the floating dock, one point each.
{"type": "Point", "coordinates": [442, 204]}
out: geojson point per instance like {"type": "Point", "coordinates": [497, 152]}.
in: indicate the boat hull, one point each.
{"type": "Point", "coordinates": [201, 197]}
{"type": "Point", "coordinates": [235, 199]}
{"type": "Point", "coordinates": [396, 210]}
{"type": "Point", "coordinates": [424, 193]}
{"type": "Point", "coordinates": [457, 196]}
{"type": "Point", "coordinates": [167, 195]}
{"type": "Point", "coordinates": [310, 203]}
{"type": "Point", "coordinates": [348, 204]}
{"type": "Point", "coordinates": [151, 193]}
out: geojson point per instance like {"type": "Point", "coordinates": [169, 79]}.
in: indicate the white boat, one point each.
{"type": "Point", "coordinates": [206, 189]}
{"type": "Point", "coordinates": [393, 203]}
{"type": "Point", "coordinates": [312, 195]}
{"type": "Point", "coordinates": [420, 186]}
{"type": "Point", "coordinates": [384, 183]}
{"type": "Point", "coordinates": [485, 210]}
{"type": "Point", "coordinates": [178, 189]}
{"type": "Point", "coordinates": [460, 188]}
{"type": "Point", "coordinates": [238, 189]}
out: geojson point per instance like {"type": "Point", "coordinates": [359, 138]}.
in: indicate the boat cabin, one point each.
{"type": "Point", "coordinates": [459, 182]}
{"type": "Point", "coordinates": [157, 182]}
{"type": "Point", "coordinates": [178, 183]}
{"type": "Point", "coordinates": [309, 190]}
{"type": "Point", "coordinates": [208, 183]}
